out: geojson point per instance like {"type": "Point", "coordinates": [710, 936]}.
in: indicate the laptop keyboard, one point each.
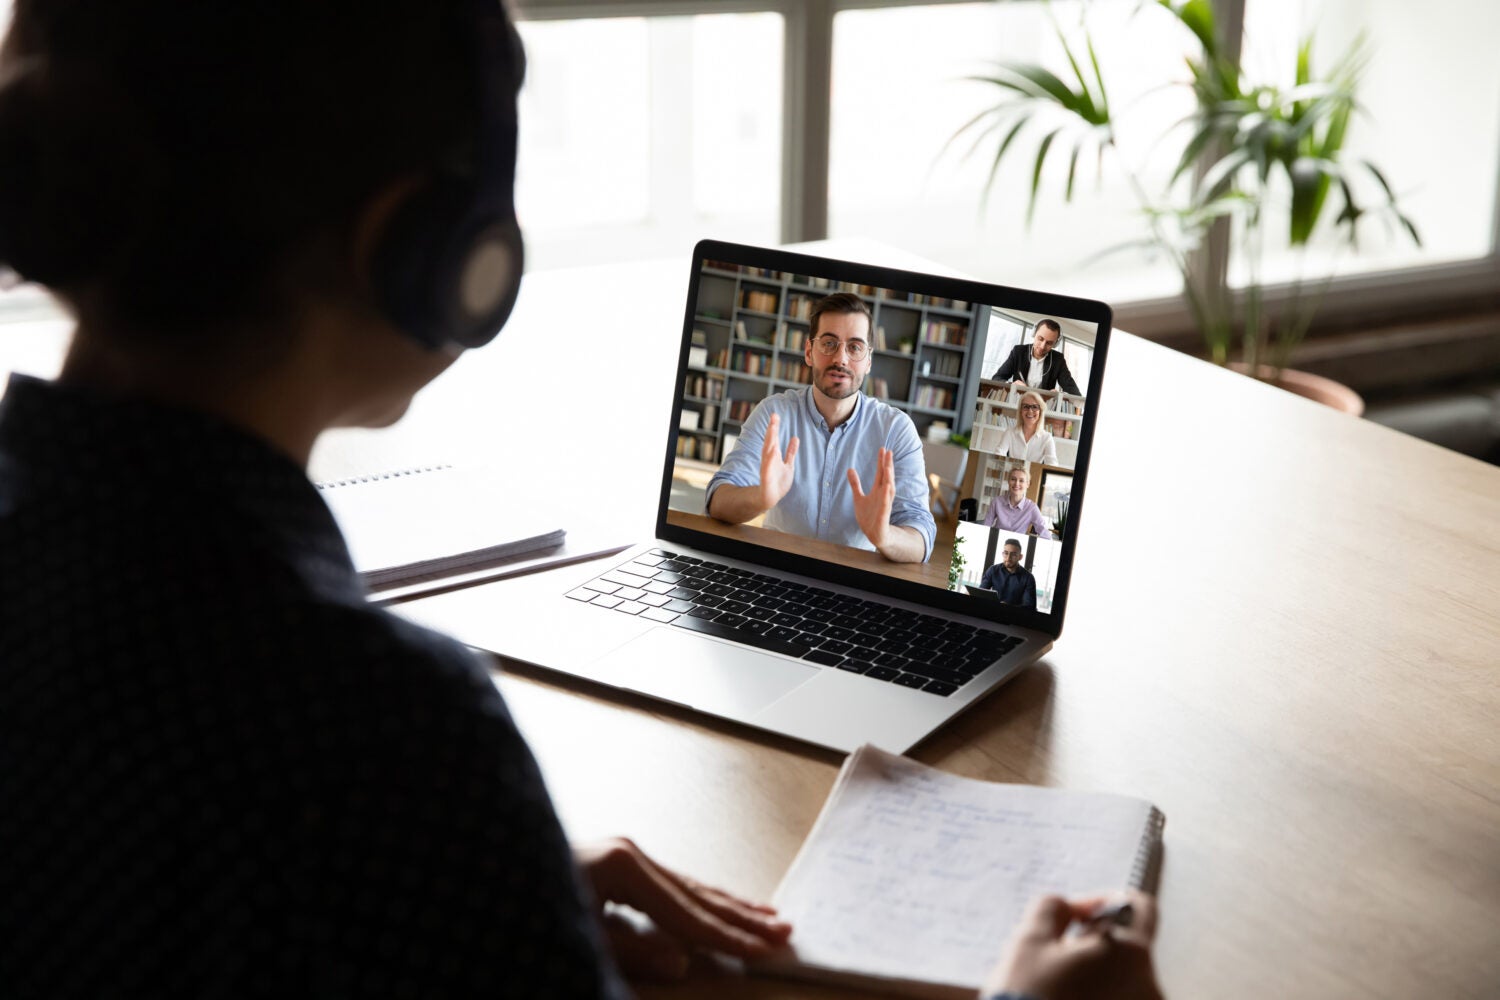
{"type": "Point", "coordinates": [876, 640]}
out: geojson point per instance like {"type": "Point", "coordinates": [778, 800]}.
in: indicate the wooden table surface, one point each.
{"type": "Point", "coordinates": [1284, 630]}
{"type": "Point", "coordinates": [933, 572]}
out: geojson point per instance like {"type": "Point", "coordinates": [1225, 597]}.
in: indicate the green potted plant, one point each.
{"type": "Point", "coordinates": [1244, 147]}
{"type": "Point", "coordinates": [956, 564]}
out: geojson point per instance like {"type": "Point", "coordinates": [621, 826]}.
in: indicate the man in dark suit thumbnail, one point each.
{"type": "Point", "coordinates": [1040, 367]}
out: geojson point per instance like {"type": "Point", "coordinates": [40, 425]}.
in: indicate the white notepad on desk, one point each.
{"type": "Point", "coordinates": [912, 879]}
{"type": "Point", "coordinates": [434, 522]}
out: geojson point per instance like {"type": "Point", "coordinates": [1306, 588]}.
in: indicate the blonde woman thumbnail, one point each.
{"type": "Point", "coordinates": [1029, 440]}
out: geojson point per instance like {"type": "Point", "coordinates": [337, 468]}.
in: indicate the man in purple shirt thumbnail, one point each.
{"type": "Point", "coordinates": [1012, 510]}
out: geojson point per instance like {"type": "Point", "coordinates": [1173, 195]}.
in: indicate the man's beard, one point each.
{"type": "Point", "coordinates": [850, 387]}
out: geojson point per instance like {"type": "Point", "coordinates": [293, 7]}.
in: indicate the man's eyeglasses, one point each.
{"type": "Point", "coordinates": [829, 346]}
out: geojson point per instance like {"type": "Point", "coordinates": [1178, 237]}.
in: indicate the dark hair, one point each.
{"type": "Point", "coordinates": [840, 304]}
{"type": "Point", "coordinates": [181, 165]}
{"type": "Point", "coordinates": [1048, 323]}
{"type": "Point", "coordinates": [1012, 541]}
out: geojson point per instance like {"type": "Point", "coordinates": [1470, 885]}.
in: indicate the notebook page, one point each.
{"type": "Point", "coordinates": [916, 875]}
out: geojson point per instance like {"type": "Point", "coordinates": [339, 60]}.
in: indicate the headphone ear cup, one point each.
{"type": "Point", "coordinates": [443, 274]}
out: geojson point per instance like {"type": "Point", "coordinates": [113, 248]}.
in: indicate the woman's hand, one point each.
{"type": "Point", "coordinates": [685, 915]}
{"type": "Point", "coordinates": [1044, 961]}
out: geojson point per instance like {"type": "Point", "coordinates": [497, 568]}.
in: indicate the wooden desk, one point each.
{"type": "Point", "coordinates": [1291, 645]}
{"type": "Point", "coordinates": [934, 572]}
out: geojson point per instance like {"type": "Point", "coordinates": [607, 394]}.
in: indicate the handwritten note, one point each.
{"type": "Point", "coordinates": [916, 875]}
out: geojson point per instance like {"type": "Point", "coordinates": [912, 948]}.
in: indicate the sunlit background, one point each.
{"type": "Point", "coordinates": [642, 133]}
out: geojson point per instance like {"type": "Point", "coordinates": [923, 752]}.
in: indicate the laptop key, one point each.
{"type": "Point", "coordinates": [759, 613]}
{"type": "Point", "coordinates": [704, 614]}
{"type": "Point", "coordinates": [667, 577]}
{"type": "Point", "coordinates": [602, 586]}
{"type": "Point", "coordinates": [664, 553]}
{"type": "Point", "coordinates": [880, 673]}
{"type": "Point", "coordinates": [730, 620]}
{"type": "Point", "coordinates": [629, 593]}
{"type": "Point", "coordinates": [734, 607]}
{"type": "Point", "coordinates": [681, 607]}
{"type": "Point", "coordinates": [631, 607]}
{"type": "Point", "coordinates": [659, 588]}
{"type": "Point", "coordinates": [625, 579]}
{"type": "Point", "coordinates": [938, 673]}
{"type": "Point", "coordinates": [647, 559]}
{"type": "Point", "coordinates": [855, 666]}
{"type": "Point", "coordinates": [660, 615]}
{"type": "Point", "coordinates": [719, 589]}
{"type": "Point", "coordinates": [756, 628]}
{"type": "Point", "coordinates": [787, 619]}
{"type": "Point", "coordinates": [911, 681]}
{"type": "Point", "coordinates": [765, 642]}
{"type": "Point", "coordinates": [583, 594]}
{"type": "Point", "coordinates": [940, 688]}
{"type": "Point", "coordinates": [683, 593]}
{"type": "Point", "coordinates": [776, 631]}
{"type": "Point", "coordinates": [708, 600]}
{"type": "Point", "coordinates": [659, 600]}
{"type": "Point", "coordinates": [834, 646]}
{"type": "Point", "coordinates": [606, 601]}
{"type": "Point", "coordinates": [826, 659]}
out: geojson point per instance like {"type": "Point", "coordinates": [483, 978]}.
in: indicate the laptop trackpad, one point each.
{"type": "Point", "coordinates": [702, 673]}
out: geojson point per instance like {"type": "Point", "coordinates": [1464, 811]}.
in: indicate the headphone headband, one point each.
{"type": "Point", "coordinates": [449, 265]}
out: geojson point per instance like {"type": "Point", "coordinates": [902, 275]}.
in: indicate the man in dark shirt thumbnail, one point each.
{"type": "Point", "coordinates": [1008, 578]}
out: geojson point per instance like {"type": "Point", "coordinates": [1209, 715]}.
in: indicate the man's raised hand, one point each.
{"type": "Point", "coordinates": [776, 471]}
{"type": "Point", "coordinates": [873, 509]}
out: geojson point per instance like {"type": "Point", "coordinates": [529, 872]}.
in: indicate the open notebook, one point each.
{"type": "Point", "coordinates": [431, 523]}
{"type": "Point", "coordinates": [912, 879]}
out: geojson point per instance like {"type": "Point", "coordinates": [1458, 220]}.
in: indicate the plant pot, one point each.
{"type": "Point", "coordinates": [1309, 386]}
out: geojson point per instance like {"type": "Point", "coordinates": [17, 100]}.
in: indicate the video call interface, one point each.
{"type": "Point", "coordinates": [981, 407]}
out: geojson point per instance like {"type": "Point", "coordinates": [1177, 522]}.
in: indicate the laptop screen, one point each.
{"type": "Point", "coordinates": [916, 435]}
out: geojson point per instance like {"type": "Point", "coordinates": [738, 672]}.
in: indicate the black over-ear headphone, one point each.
{"type": "Point", "coordinates": [449, 264]}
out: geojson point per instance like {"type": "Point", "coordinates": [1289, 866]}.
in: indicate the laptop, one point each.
{"type": "Point", "coordinates": [791, 622]}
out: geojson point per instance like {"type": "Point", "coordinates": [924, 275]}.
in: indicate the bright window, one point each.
{"type": "Point", "coordinates": [1431, 122]}
{"type": "Point", "coordinates": [899, 94]}
{"type": "Point", "coordinates": [640, 136]}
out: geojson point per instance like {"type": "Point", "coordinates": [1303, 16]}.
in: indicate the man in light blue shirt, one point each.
{"type": "Point", "coordinates": [834, 432]}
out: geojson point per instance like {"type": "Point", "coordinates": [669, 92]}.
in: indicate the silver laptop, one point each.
{"type": "Point", "coordinates": [787, 618]}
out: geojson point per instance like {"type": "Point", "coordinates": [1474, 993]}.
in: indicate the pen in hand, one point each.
{"type": "Point", "coordinates": [1118, 914]}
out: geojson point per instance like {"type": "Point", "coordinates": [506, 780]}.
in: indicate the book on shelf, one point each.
{"type": "Point", "coordinates": [945, 332]}
{"type": "Point", "coordinates": [430, 522]}
{"type": "Point", "coordinates": [912, 879]}
{"type": "Point", "coordinates": [740, 333]}
{"type": "Point", "coordinates": [879, 387]}
{"type": "Point", "coordinates": [697, 357]}
{"type": "Point", "coordinates": [760, 301]}
{"type": "Point", "coordinates": [880, 340]}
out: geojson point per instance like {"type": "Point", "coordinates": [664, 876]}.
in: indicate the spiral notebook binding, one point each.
{"type": "Point", "coordinates": [1148, 853]}
{"type": "Point", "coordinates": [395, 474]}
